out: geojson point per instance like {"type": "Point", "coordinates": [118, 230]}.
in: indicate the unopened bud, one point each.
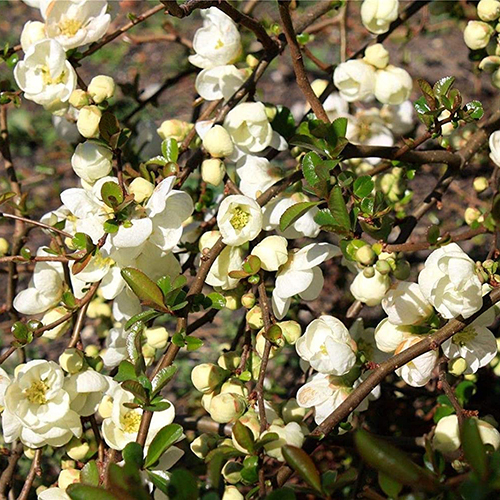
{"type": "Point", "coordinates": [365, 255]}
{"type": "Point", "coordinates": [480, 184]}
{"type": "Point", "coordinates": [369, 272]}
{"type": "Point", "coordinates": [471, 215]}
{"type": "Point", "coordinates": [457, 366]}
{"type": "Point", "coordinates": [72, 360]}
{"type": "Point", "coordinates": [232, 493]}
{"type": "Point", "coordinates": [141, 189]}
{"type": "Point", "coordinates": [272, 252]}
{"type": "Point", "coordinates": [92, 351]}
{"type": "Point", "coordinates": [232, 472]}
{"type": "Point", "coordinates": [488, 10]}
{"type": "Point", "coordinates": [271, 112]}
{"type": "Point", "coordinates": [226, 407]}
{"type": "Point", "coordinates": [234, 386]}
{"type": "Point", "coordinates": [176, 129]}
{"type": "Point", "coordinates": [4, 247]}
{"type": "Point", "coordinates": [88, 121]}
{"type": "Point", "coordinates": [292, 412]}
{"type": "Point", "coordinates": [79, 98]}
{"type": "Point", "coordinates": [67, 477]}
{"type": "Point", "coordinates": [213, 171]}
{"type": "Point", "coordinates": [208, 240]}
{"type": "Point", "coordinates": [248, 300]}
{"type": "Point", "coordinates": [377, 56]}
{"type": "Point", "coordinates": [77, 449]}
{"type": "Point", "coordinates": [383, 267]}
{"type": "Point", "coordinates": [403, 269]}
{"type": "Point", "coordinates": [260, 344]}
{"type": "Point", "coordinates": [254, 318]}
{"type": "Point", "coordinates": [204, 444]}
{"type": "Point", "coordinates": [207, 377]}
{"type": "Point", "coordinates": [29, 453]}
{"type": "Point", "coordinates": [156, 337]}
{"type": "Point", "coordinates": [477, 35]}
{"type": "Point", "coordinates": [291, 330]}
{"type": "Point", "coordinates": [229, 361]}
{"type": "Point", "coordinates": [101, 88]}
{"type": "Point", "coordinates": [232, 301]}
{"type": "Point", "coordinates": [319, 86]}
{"type": "Point", "coordinates": [252, 61]}
{"type": "Point", "coordinates": [217, 142]}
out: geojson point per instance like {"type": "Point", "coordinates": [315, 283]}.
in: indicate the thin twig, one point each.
{"type": "Point", "coordinates": [34, 471]}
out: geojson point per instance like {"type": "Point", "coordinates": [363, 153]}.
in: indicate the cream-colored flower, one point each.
{"type": "Point", "coordinates": [377, 15]}
{"type": "Point", "coordinates": [392, 85]}
{"type": "Point", "coordinates": [418, 371]}
{"type": "Point", "coordinates": [372, 290]}
{"type": "Point", "coordinates": [92, 161]}
{"type": "Point", "coordinates": [355, 80]}
{"type": "Point", "coordinates": [272, 252]}
{"type": "Point", "coordinates": [404, 304]}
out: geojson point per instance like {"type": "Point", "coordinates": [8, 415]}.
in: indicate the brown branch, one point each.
{"type": "Point", "coordinates": [162, 37]}
{"type": "Point", "coordinates": [16, 453]}
{"type": "Point", "coordinates": [34, 471]}
{"type": "Point", "coordinates": [446, 387]}
{"type": "Point", "coordinates": [36, 223]}
{"type": "Point", "coordinates": [80, 319]}
{"type": "Point", "coordinates": [298, 63]}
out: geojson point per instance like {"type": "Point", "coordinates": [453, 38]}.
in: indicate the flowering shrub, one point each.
{"type": "Point", "coordinates": [260, 301]}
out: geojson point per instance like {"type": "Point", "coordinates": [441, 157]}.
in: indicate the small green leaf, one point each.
{"type": "Point", "coordinates": [126, 371]}
{"type": "Point", "coordinates": [474, 110]}
{"type": "Point", "coordinates": [147, 290]}
{"type": "Point", "coordinates": [294, 212]}
{"type": "Point", "coordinates": [183, 485]}
{"type": "Point", "coordinates": [165, 438]}
{"type": "Point", "coordinates": [193, 343]}
{"type": "Point", "coordinates": [79, 491]}
{"type": "Point", "coordinates": [251, 265]}
{"type": "Point", "coordinates": [474, 449]}
{"type": "Point", "coordinates": [363, 186]}
{"type": "Point", "coordinates": [161, 379]}
{"type": "Point", "coordinates": [338, 208]}
{"type": "Point", "coordinates": [217, 301]}
{"type": "Point", "coordinates": [275, 335]}
{"type": "Point", "coordinates": [159, 481]}
{"type": "Point", "coordinates": [90, 474]}
{"type": "Point", "coordinates": [111, 194]}
{"type": "Point", "coordinates": [442, 86]}
{"type": "Point", "coordinates": [165, 284]}
{"type": "Point", "coordinates": [302, 463]}
{"type": "Point", "coordinates": [389, 485]}
{"type": "Point", "coordinates": [111, 226]}
{"type": "Point", "coordinates": [143, 316]}
{"type": "Point", "coordinates": [170, 149]}
{"type": "Point", "coordinates": [108, 126]}
{"type": "Point", "coordinates": [21, 332]}
{"type": "Point", "coordinates": [309, 163]}
{"type": "Point", "coordinates": [133, 454]}
{"type": "Point", "coordinates": [244, 436]}
{"type": "Point", "coordinates": [136, 389]}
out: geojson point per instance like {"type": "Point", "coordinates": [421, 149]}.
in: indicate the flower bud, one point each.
{"type": "Point", "coordinates": [318, 86]}
{"type": "Point", "coordinates": [72, 360]}
{"type": "Point", "coordinates": [457, 366]}
{"type": "Point", "coordinates": [254, 318]}
{"type": "Point", "coordinates": [292, 412]}
{"type": "Point", "coordinates": [365, 255]}
{"type": "Point", "coordinates": [403, 269]}
{"type": "Point", "coordinates": [207, 377]}
{"type": "Point", "coordinates": [98, 309]}
{"type": "Point", "coordinates": [52, 316]}
{"type": "Point", "coordinates": [490, 64]}
{"type": "Point", "coordinates": [272, 252]}
{"type": "Point", "coordinates": [92, 351]}
{"type": "Point", "coordinates": [156, 337]}
{"type": "Point", "coordinates": [67, 477]}
{"type": "Point", "coordinates": [77, 449]}
{"type": "Point", "coordinates": [29, 453]}
{"type": "Point", "coordinates": [208, 240]}
{"type": "Point", "coordinates": [480, 184]}
{"type": "Point", "coordinates": [471, 215]}
{"type": "Point", "coordinates": [79, 98]}
{"type": "Point", "coordinates": [101, 87]}
{"type": "Point", "coordinates": [495, 79]}
{"type": "Point", "coordinates": [141, 189]}
{"type": "Point", "coordinates": [369, 272]}
{"type": "Point", "coordinates": [232, 472]}
{"type": "Point", "coordinates": [217, 142]}
{"type": "Point", "coordinates": [175, 129]}
{"type": "Point", "coordinates": [232, 493]}
{"type": "Point", "coordinates": [226, 407]}
{"type": "Point", "coordinates": [252, 61]}
{"type": "Point", "coordinates": [248, 300]}
{"type": "Point", "coordinates": [229, 361]}
{"type": "Point", "coordinates": [389, 336]}
{"type": "Point", "coordinates": [260, 344]}
{"type": "Point", "coordinates": [370, 291]}
{"type": "Point", "coordinates": [235, 386]}
{"type": "Point", "coordinates": [91, 161]}
{"type": "Point", "coordinates": [232, 300]}
{"type": "Point", "coordinates": [105, 408]}
{"type": "Point", "coordinates": [377, 56]}
{"type": "Point", "coordinates": [88, 121]}
{"type": "Point", "coordinates": [4, 247]}
{"type": "Point", "coordinates": [291, 330]}
{"type": "Point", "coordinates": [213, 171]}
{"type": "Point", "coordinates": [291, 434]}
{"type": "Point", "coordinates": [203, 444]}
{"type": "Point", "coordinates": [383, 267]}
{"type": "Point", "coordinates": [33, 31]}
{"type": "Point", "coordinates": [477, 35]}
{"type": "Point", "coordinates": [206, 400]}
{"type": "Point", "coordinates": [488, 10]}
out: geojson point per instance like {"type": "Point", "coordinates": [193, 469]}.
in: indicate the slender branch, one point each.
{"type": "Point", "coordinates": [445, 385]}
{"type": "Point", "coordinates": [8, 473]}
{"type": "Point", "coordinates": [36, 223]}
{"type": "Point", "coordinates": [34, 471]}
{"type": "Point", "coordinates": [80, 319]}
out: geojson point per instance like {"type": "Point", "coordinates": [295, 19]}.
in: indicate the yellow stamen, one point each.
{"type": "Point", "coordinates": [69, 27]}
{"type": "Point", "coordinates": [239, 219]}
{"type": "Point", "coordinates": [36, 392]}
{"type": "Point", "coordinates": [131, 421]}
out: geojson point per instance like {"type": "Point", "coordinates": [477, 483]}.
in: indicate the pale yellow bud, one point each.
{"type": "Point", "coordinates": [206, 400]}
{"type": "Point", "coordinates": [176, 129]}
{"type": "Point", "coordinates": [203, 444]}
{"type": "Point", "coordinates": [217, 142]}
{"type": "Point", "coordinates": [51, 317]}
{"type": "Point", "coordinates": [101, 87]}
{"type": "Point", "coordinates": [92, 351]}
{"type": "Point", "coordinates": [377, 56]}
{"type": "Point", "coordinates": [477, 35]}
{"type": "Point", "coordinates": [77, 449]}
{"type": "Point", "coordinates": [141, 189]}
{"type": "Point", "coordinates": [318, 86]}
{"type": "Point", "coordinates": [495, 79]}
{"type": "Point", "coordinates": [106, 407]}
{"type": "Point", "coordinates": [291, 331]}
{"type": "Point", "coordinates": [226, 407]}
{"type": "Point", "coordinates": [157, 337]}
{"type": "Point", "coordinates": [234, 386]}
{"type": "Point", "coordinates": [488, 10]}
{"type": "Point", "coordinates": [67, 477]}
{"type": "Point", "coordinates": [99, 309]}
{"type": "Point", "coordinates": [208, 240]}
{"type": "Point", "coordinates": [67, 464]}
{"type": "Point", "coordinates": [490, 64]}
{"type": "Point", "coordinates": [260, 344]}
{"type": "Point", "coordinates": [232, 301]}
{"type": "Point", "coordinates": [248, 300]}
{"type": "Point", "coordinates": [88, 121]}
{"type": "Point", "coordinates": [365, 255]}
{"type": "Point", "coordinates": [213, 171]}
{"type": "Point", "coordinates": [254, 318]}
{"type": "Point", "coordinates": [4, 247]}
{"type": "Point", "coordinates": [292, 412]}
{"type": "Point", "coordinates": [471, 215]}
{"type": "Point", "coordinates": [229, 361]}
{"type": "Point", "coordinates": [79, 98]}
{"type": "Point", "coordinates": [457, 366]}
{"type": "Point", "coordinates": [207, 377]}
{"type": "Point", "coordinates": [72, 360]}
{"type": "Point", "coordinates": [480, 184]}
{"type": "Point", "coordinates": [272, 252]}
{"type": "Point", "coordinates": [232, 493]}
{"type": "Point", "coordinates": [232, 472]}
{"type": "Point", "coordinates": [29, 453]}
{"type": "Point", "coordinates": [252, 61]}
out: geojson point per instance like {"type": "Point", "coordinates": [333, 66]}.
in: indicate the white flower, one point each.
{"type": "Point", "coordinates": [217, 142]}
{"type": "Point", "coordinates": [250, 130]}
{"type": "Point", "coordinates": [404, 304]}
{"type": "Point", "coordinates": [477, 34]}
{"type": "Point", "coordinates": [304, 226]}
{"type": "Point", "coordinates": [400, 118]}
{"type": "Point", "coordinates": [327, 346]}
{"type": "Point", "coordinates": [370, 291]}
{"type": "Point", "coordinates": [377, 15]}
{"type": "Point", "coordinates": [239, 219]}
{"type": "Point", "coordinates": [301, 275]}
{"type": "Point", "coordinates": [122, 426]}
{"type": "Point", "coordinates": [33, 31]}
{"type": "Point", "coordinates": [366, 342]}
{"type": "Point", "coordinates": [218, 42]}
{"type": "Point", "coordinates": [256, 175]}
{"type": "Point", "coordinates": [447, 434]}
{"type": "Point", "coordinates": [291, 434]}
{"type": "Point", "coordinates": [74, 23]}
{"type": "Point", "coordinates": [86, 390]}
{"type": "Point", "coordinates": [355, 80]}
{"type": "Point", "coordinates": [392, 85]}
{"type": "Point", "coordinates": [44, 75]}
{"type": "Point", "coordinates": [389, 336]}
{"type": "Point", "coordinates": [37, 408]}
{"type": "Point", "coordinates": [449, 282]}
{"type": "Point", "coordinates": [494, 143]}
{"type": "Point", "coordinates": [4, 383]}
{"type": "Point", "coordinates": [476, 344]}
{"type": "Point", "coordinates": [116, 351]}
{"type": "Point", "coordinates": [91, 161]}
{"type": "Point", "coordinates": [418, 371]}
{"type": "Point", "coordinates": [377, 55]}
{"type": "Point", "coordinates": [220, 82]}
{"type": "Point", "coordinates": [272, 252]}
{"type": "Point", "coordinates": [53, 494]}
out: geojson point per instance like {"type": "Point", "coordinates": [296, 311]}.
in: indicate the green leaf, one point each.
{"type": "Point", "coordinates": [474, 449]}
{"type": "Point", "coordinates": [133, 454]}
{"type": "Point", "coordinates": [217, 301]}
{"type": "Point", "coordinates": [161, 379]}
{"type": "Point", "coordinates": [389, 485]}
{"type": "Point", "coordinates": [90, 474]}
{"type": "Point", "coordinates": [147, 290]}
{"type": "Point", "coordinates": [193, 343]}
{"type": "Point", "coordinates": [268, 438]}
{"type": "Point", "coordinates": [363, 186]}
{"type": "Point", "coordinates": [421, 107]}
{"type": "Point", "coordinates": [338, 208]}
{"type": "Point", "coordinates": [244, 436]}
{"type": "Point", "coordinates": [428, 93]}
{"type": "Point", "coordinates": [165, 284]}
{"type": "Point", "coordinates": [433, 234]}
{"type": "Point", "coordinates": [134, 347]}
{"type": "Point", "coordinates": [126, 371]}
{"type": "Point", "coordinates": [302, 463]}
{"type": "Point", "coordinates": [111, 226]}
{"type": "Point", "coordinates": [309, 163]}
{"type": "Point", "coordinates": [442, 86]}
{"type": "Point", "coordinates": [183, 485]}
{"type": "Point", "coordinates": [21, 332]}
{"type": "Point", "coordinates": [251, 265]}
{"type": "Point", "coordinates": [159, 482]}
{"type": "Point", "coordinates": [111, 194]}
{"type": "Point", "coordinates": [474, 110]}
{"type": "Point", "coordinates": [282, 494]}
{"type": "Point", "coordinates": [156, 160]}
{"type": "Point", "coordinates": [291, 214]}
{"type": "Point", "coordinates": [214, 469]}
{"type": "Point", "coordinates": [82, 241]}
{"type": "Point", "coordinates": [339, 127]}
{"type": "Point", "coordinates": [165, 438]}
{"type": "Point", "coordinates": [79, 491]}
{"type": "Point", "coordinates": [170, 149]}
{"type": "Point", "coordinates": [136, 389]}
{"type": "Point", "coordinates": [464, 391]}
{"type": "Point", "coordinates": [283, 122]}
{"type": "Point", "coordinates": [143, 317]}
{"type": "Point", "coordinates": [108, 126]}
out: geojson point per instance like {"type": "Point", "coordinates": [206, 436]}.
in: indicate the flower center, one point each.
{"type": "Point", "coordinates": [36, 392]}
{"type": "Point", "coordinates": [323, 350]}
{"type": "Point", "coordinates": [48, 80]}
{"type": "Point", "coordinates": [131, 421]}
{"type": "Point", "coordinates": [69, 27]}
{"type": "Point", "coordinates": [240, 218]}
{"type": "Point", "coordinates": [466, 335]}
{"type": "Point", "coordinates": [219, 44]}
